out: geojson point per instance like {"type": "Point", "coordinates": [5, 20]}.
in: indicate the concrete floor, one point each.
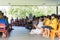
{"type": "Point", "coordinates": [20, 33]}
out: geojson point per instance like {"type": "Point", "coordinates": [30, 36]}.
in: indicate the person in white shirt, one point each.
{"type": "Point", "coordinates": [38, 27]}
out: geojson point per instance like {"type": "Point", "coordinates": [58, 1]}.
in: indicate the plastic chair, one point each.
{"type": "Point", "coordinates": [3, 29]}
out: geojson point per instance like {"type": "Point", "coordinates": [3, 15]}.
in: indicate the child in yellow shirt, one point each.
{"type": "Point", "coordinates": [59, 28]}
{"type": "Point", "coordinates": [52, 25]}
{"type": "Point", "coordinates": [46, 23]}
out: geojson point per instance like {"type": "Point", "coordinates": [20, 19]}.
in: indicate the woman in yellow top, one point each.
{"type": "Point", "coordinates": [59, 28]}
{"type": "Point", "coordinates": [46, 23]}
{"type": "Point", "coordinates": [59, 31]}
{"type": "Point", "coordinates": [53, 26]}
{"type": "Point", "coordinates": [54, 22]}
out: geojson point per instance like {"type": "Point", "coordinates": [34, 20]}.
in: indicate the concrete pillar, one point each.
{"type": "Point", "coordinates": [57, 10]}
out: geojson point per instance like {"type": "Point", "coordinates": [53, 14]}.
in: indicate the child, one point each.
{"type": "Point", "coordinates": [38, 28]}
{"type": "Point", "coordinates": [52, 26]}
{"type": "Point", "coordinates": [44, 28]}
{"type": "Point", "coordinates": [59, 28]}
{"type": "Point", "coordinates": [54, 22]}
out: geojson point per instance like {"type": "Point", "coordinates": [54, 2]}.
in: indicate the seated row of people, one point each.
{"type": "Point", "coordinates": [30, 23]}
{"type": "Point", "coordinates": [38, 27]}
{"type": "Point", "coordinates": [44, 27]}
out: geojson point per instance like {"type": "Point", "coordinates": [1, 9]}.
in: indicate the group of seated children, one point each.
{"type": "Point", "coordinates": [45, 27]}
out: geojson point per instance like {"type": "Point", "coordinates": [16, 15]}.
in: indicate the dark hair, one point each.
{"type": "Point", "coordinates": [45, 16]}
{"type": "Point", "coordinates": [48, 16]}
{"type": "Point", "coordinates": [53, 15]}
{"type": "Point", "coordinates": [1, 13]}
{"type": "Point", "coordinates": [59, 17]}
{"type": "Point", "coordinates": [56, 16]}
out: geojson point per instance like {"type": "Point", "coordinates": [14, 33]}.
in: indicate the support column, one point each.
{"type": "Point", "coordinates": [57, 10]}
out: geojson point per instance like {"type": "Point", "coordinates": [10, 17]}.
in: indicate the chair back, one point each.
{"type": "Point", "coordinates": [2, 25]}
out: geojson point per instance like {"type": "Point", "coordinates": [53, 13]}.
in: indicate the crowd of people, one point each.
{"type": "Point", "coordinates": [44, 25]}
{"type": "Point", "coordinates": [47, 26]}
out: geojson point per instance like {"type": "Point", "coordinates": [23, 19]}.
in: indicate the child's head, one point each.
{"type": "Point", "coordinates": [45, 17]}
{"type": "Point", "coordinates": [48, 17]}
{"type": "Point", "coordinates": [40, 20]}
{"type": "Point", "coordinates": [53, 16]}
{"type": "Point", "coordinates": [5, 17]}
{"type": "Point", "coordinates": [1, 14]}
{"type": "Point", "coordinates": [59, 17]}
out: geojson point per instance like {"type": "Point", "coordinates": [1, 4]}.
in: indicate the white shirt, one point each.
{"type": "Point", "coordinates": [40, 24]}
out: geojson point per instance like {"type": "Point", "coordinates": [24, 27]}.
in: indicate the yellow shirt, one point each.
{"type": "Point", "coordinates": [46, 22]}
{"type": "Point", "coordinates": [59, 26]}
{"type": "Point", "coordinates": [54, 23]}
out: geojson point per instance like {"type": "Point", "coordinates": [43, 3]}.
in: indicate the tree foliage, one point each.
{"type": "Point", "coordinates": [23, 11]}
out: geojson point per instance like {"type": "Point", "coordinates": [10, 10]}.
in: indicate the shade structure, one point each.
{"type": "Point", "coordinates": [30, 2]}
